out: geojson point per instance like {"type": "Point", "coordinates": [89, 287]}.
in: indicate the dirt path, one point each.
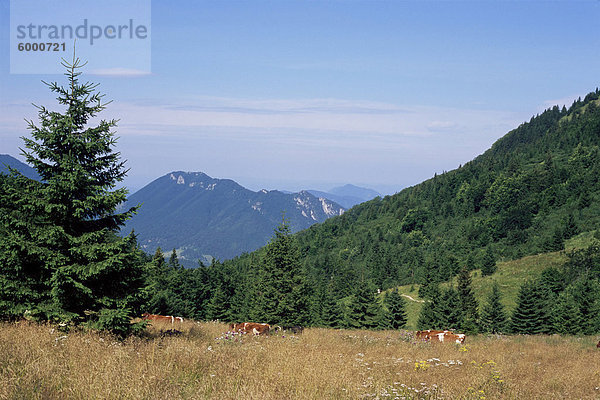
{"type": "Point", "coordinates": [410, 298]}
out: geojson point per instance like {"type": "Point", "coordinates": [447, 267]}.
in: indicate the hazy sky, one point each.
{"type": "Point", "coordinates": [313, 94]}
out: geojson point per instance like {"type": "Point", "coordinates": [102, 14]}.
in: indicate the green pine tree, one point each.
{"type": "Point", "coordinates": [331, 313]}
{"type": "Point", "coordinates": [396, 306]}
{"type": "Point", "coordinates": [468, 304]}
{"type": "Point", "coordinates": [528, 316]}
{"type": "Point", "coordinates": [218, 306]}
{"type": "Point", "coordinates": [282, 292]}
{"type": "Point", "coordinates": [566, 317]}
{"type": "Point", "coordinates": [160, 296]}
{"type": "Point", "coordinates": [363, 311]}
{"type": "Point", "coordinates": [556, 242]}
{"type": "Point", "coordinates": [586, 293]}
{"type": "Point", "coordinates": [493, 316]}
{"type": "Point", "coordinates": [24, 278]}
{"type": "Point", "coordinates": [449, 309]}
{"type": "Point", "coordinates": [68, 247]}
{"type": "Point", "coordinates": [425, 290]}
{"type": "Point", "coordinates": [488, 264]}
{"type": "Point", "coordinates": [384, 319]}
{"type": "Point", "coordinates": [375, 317]}
{"type": "Point", "coordinates": [429, 317]}
{"type": "Point", "coordinates": [552, 280]}
{"type": "Point", "coordinates": [174, 260]}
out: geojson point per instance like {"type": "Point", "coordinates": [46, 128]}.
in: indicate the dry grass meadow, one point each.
{"type": "Point", "coordinates": [40, 362]}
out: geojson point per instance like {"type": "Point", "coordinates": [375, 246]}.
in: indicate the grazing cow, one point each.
{"type": "Point", "coordinates": [598, 345]}
{"type": "Point", "coordinates": [233, 327]}
{"type": "Point", "coordinates": [251, 327]}
{"type": "Point", "coordinates": [449, 337]}
{"type": "Point", "coordinates": [426, 335]}
{"type": "Point", "coordinates": [161, 318]}
{"type": "Point", "coordinates": [440, 336]}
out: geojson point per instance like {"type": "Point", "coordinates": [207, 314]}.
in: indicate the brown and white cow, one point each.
{"type": "Point", "coordinates": [162, 318]}
{"type": "Point", "coordinates": [440, 336]}
{"type": "Point", "coordinates": [251, 327]}
{"type": "Point", "coordinates": [427, 334]}
{"type": "Point", "coordinates": [234, 327]}
{"type": "Point", "coordinates": [449, 337]}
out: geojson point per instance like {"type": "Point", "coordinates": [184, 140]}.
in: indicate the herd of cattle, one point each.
{"type": "Point", "coordinates": [258, 329]}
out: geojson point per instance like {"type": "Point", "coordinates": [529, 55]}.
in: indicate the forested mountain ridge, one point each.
{"type": "Point", "coordinates": [534, 188]}
{"type": "Point", "coordinates": [203, 216]}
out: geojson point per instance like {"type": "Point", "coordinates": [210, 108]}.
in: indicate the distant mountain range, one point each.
{"type": "Point", "coordinates": [7, 161]}
{"type": "Point", "coordinates": [348, 195]}
{"type": "Point", "coordinates": [204, 217]}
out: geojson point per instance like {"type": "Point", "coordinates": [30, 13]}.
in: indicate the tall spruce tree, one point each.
{"type": "Point", "coordinates": [488, 263]}
{"type": "Point", "coordinates": [529, 315]}
{"type": "Point", "coordinates": [282, 292]}
{"type": "Point", "coordinates": [363, 311]}
{"type": "Point", "coordinates": [331, 316]}
{"type": "Point", "coordinates": [493, 316]}
{"type": "Point", "coordinates": [552, 280]}
{"type": "Point", "coordinates": [566, 317]}
{"type": "Point", "coordinates": [218, 306]}
{"type": "Point", "coordinates": [425, 290]}
{"type": "Point", "coordinates": [449, 309]}
{"type": "Point", "coordinates": [331, 313]}
{"type": "Point", "coordinates": [430, 315]}
{"type": "Point", "coordinates": [324, 306]}
{"type": "Point", "coordinates": [174, 260]}
{"type": "Point", "coordinates": [396, 306]}
{"type": "Point", "coordinates": [84, 272]}
{"type": "Point", "coordinates": [160, 296]}
{"type": "Point", "coordinates": [586, 293]}
{"type": "Point", "coordinates": [468, 304]}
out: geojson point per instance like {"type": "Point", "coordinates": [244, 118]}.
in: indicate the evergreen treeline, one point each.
{"type": "Point", "coordinates": [275, 291]}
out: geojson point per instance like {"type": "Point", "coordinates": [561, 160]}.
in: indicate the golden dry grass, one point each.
{"type": "Point", "coordinates": [39, 362]}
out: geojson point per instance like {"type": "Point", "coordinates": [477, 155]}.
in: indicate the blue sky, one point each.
{"type": "Point", "coordinates": [313, 94]}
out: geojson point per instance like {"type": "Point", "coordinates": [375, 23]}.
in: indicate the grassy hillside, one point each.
{"type": "Point", "coordinates": [40, 362]}
{"type": "Point", "coordinates": [510, 276]}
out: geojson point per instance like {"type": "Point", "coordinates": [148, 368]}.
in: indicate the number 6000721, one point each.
{"type": "Point", "coordinates": [41, 46]}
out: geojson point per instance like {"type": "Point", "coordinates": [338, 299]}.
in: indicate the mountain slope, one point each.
{"type": "Point", "coordinates": [9, 161]}
{"type": "Point", "coordinates": [533, 189]}
{"type": "Point", "coordinates": [205, 217]}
